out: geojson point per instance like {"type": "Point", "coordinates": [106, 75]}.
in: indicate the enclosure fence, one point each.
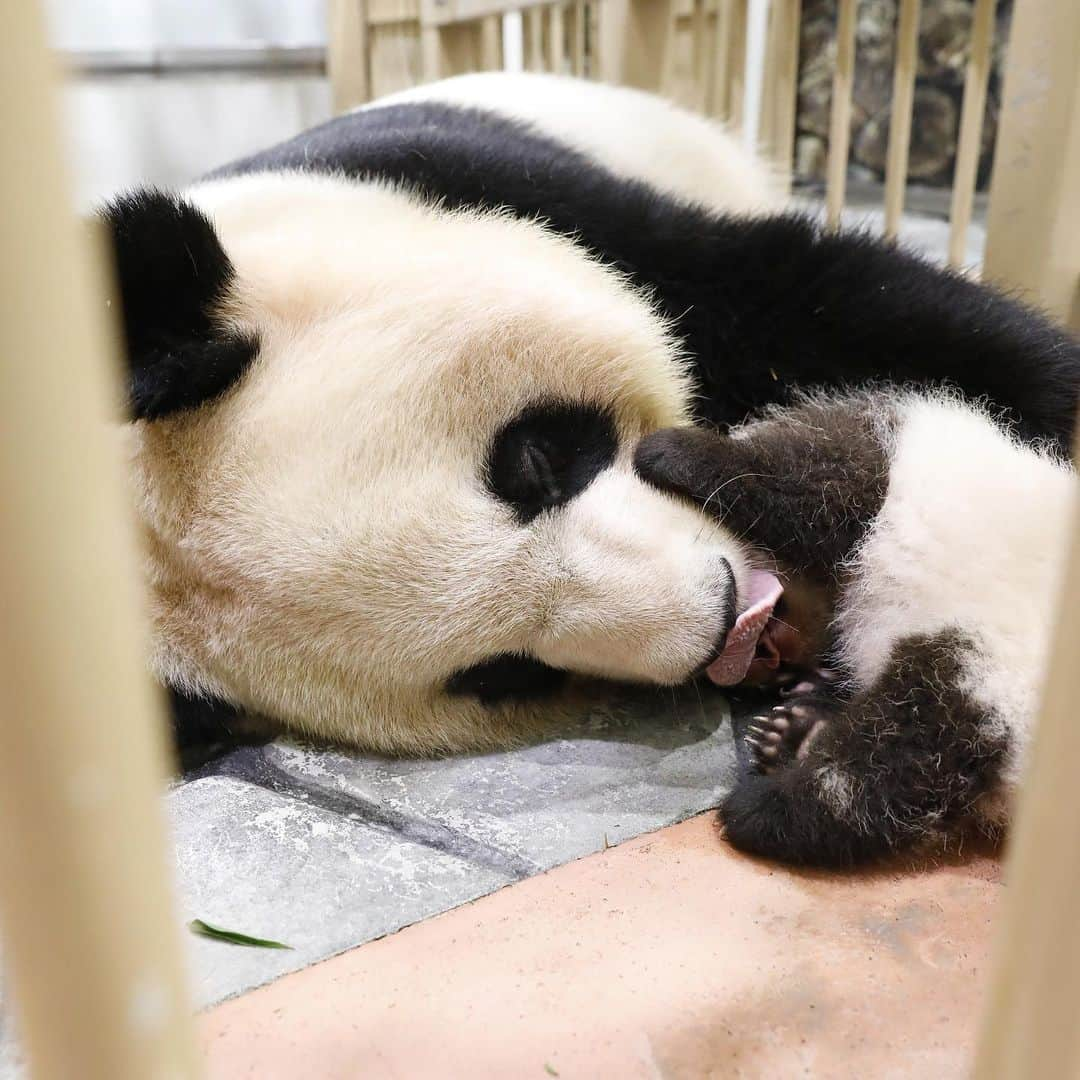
{"type": "Point", "coordinates": [89, 932]}
{"type": "Point", "coordinates": [738, 61]}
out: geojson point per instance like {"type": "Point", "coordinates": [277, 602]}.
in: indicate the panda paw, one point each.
{"type": "Point", "coordinates": [783, 735]}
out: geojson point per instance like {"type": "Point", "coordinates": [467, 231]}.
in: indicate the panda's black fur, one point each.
{"type": "Point", "coordinates": [171, 269]}
{"type": "Point", "coordinates": [918, 724]}
{"type": "Point", "coordinates": [763, 306]}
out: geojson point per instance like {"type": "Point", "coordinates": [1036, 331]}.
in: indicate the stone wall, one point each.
{"type": "Point", "coordinates": [944, 36]}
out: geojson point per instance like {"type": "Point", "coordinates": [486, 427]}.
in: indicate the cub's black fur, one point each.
{"type": "Point", "coordinates": [904, 758]}
{"type": "Point", "coordinates": [805, 486]}
{"type": "Point", "coordinates": [875, 763]}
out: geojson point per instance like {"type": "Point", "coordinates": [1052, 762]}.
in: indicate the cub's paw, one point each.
{"type": "Point", "coordinates": [783, 735]}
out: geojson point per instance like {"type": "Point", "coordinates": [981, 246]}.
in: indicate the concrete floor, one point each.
{"type": "Point", "coordinates": [324, 849]}
{"type": "Point", "coordinates": [670, 956]}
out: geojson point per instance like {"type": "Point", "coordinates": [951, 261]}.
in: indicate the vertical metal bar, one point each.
{"type": "Point", "coordinates": [840, 115]}
{"type": "Point", "coordinates": [971, 124]}
{"type": "Point", "coordinates": [89, 929]}
{"type": "Point", "coordinates": [903, 104]}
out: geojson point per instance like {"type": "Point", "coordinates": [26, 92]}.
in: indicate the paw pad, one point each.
{"type": "Point", "coordinates": [781, 736]}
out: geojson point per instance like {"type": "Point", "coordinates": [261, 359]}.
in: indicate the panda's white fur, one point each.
{"type": "Point", "coordinates": [971, 535]}
{"type": "Point", "coordinates": [327, 516]}
{"type": "Point", "coordinates": [331, 342]}
{"type": "Point", "coordinates": [936, 539]}
{"type": "Point", "coordinates": [636, 135]}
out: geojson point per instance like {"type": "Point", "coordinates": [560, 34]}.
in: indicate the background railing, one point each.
{"type": "Point", "coordinates": [738, 61]}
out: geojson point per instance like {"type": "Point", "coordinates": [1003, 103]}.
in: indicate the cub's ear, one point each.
{"type": "Point", "coordinates": [690, 461]}
{"type": "Point", "coordinates": [173, 274]}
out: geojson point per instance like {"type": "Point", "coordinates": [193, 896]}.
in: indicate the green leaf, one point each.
{"type": "Point", "coordinates": [204, 929]}
{"type": "Point", "coordinates": [550, 1069]}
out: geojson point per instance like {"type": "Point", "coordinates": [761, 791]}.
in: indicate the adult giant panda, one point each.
{"type": "Point", "coordinates": [387, 378]}
{"type": "Point", "coordinates": [923, 544]}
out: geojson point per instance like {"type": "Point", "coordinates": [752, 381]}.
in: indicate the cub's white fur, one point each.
{"type": "Point", "coordinates": [971, 535]}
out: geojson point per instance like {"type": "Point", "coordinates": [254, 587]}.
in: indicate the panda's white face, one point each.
{"type": "Point", "coordinates": [421, 498]}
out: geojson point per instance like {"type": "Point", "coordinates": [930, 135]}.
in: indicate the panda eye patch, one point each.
{"type": "Point", "coordinates": [537, 473]}
{"type": "Point", "coordinates": [548, 454]}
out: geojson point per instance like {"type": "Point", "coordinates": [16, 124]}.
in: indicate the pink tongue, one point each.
{"type": "Point", "coordinates": [731, 666]}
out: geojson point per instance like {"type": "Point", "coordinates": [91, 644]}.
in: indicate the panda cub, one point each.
{"type": "Point", "coordinates": [922, 543]}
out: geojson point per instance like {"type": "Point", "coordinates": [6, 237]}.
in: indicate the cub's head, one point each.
{"type": "Point", "coordinates": [383, 458]}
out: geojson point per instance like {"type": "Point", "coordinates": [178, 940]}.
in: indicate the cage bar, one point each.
{"type": "Point", "coordinates": [91, 935]}
{"type": "Point", "coordinates": [971, 125]}
{"type": "Point", "coordinates": [900, 116]}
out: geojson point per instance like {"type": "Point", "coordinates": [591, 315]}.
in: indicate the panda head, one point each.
{"type": "Point", "coordinates": [383, 458]}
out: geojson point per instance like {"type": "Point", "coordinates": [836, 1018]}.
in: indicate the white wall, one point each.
{"type": "Point", "coordinates": [168, 129]}
{"type": "Point", "coordinates": [140, 24]}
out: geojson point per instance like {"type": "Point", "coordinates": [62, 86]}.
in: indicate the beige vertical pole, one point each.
{"type": "Point", "coordinates": [578, 47]}
{"type": "Point", "coordinates": [432, 66]}
{"type": "Point", "coordinates": [699, 45]}
{"type": "Point", "coordinates": [971, 124]}
{"type": "Point", "coordinates": [89, 929]}
{"type": "Point", "coordinates": [1032, 1023]}
{"type": "Point", "coordinates": [491, 58]}
{"type": "Point", "coordinates": [534, 39]}
{"type": "Point", "coordinates": [1033, 227]}
{"type": "Point", "coordinates": [556, 38]}
{"type": "Point", "coordinates": [633, 41]}
{"type": "Point", "coordinates": [781, 91]}
{"type": "Point", "coordinates": [669, 67]}
{"type": "Point", "coordinates": [736, 64]}
{"type": "Point", "coordinates": [840, 115]}
{"type": "Point", "coordinates": [719, 99]}
{"type": "Point", "coordinates": [347, 54]}
{"type": "Point", "coordinates": [903, 104]}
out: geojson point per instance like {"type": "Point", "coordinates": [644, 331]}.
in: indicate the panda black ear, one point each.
{"type": "Point", "coordinates": [173, 273]}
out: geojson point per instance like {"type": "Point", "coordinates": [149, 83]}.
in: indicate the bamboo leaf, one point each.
{"type": "Point", "coordinates": [204, 929]}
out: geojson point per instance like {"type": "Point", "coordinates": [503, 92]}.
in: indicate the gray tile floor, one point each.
{"type": "Point", "coordinates": [323, 849]}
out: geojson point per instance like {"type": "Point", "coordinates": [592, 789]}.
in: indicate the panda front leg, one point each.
{"type": "Point", "coordinates": [803, 483]}
{"type": "Point", "coordinates": [904, 760]}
